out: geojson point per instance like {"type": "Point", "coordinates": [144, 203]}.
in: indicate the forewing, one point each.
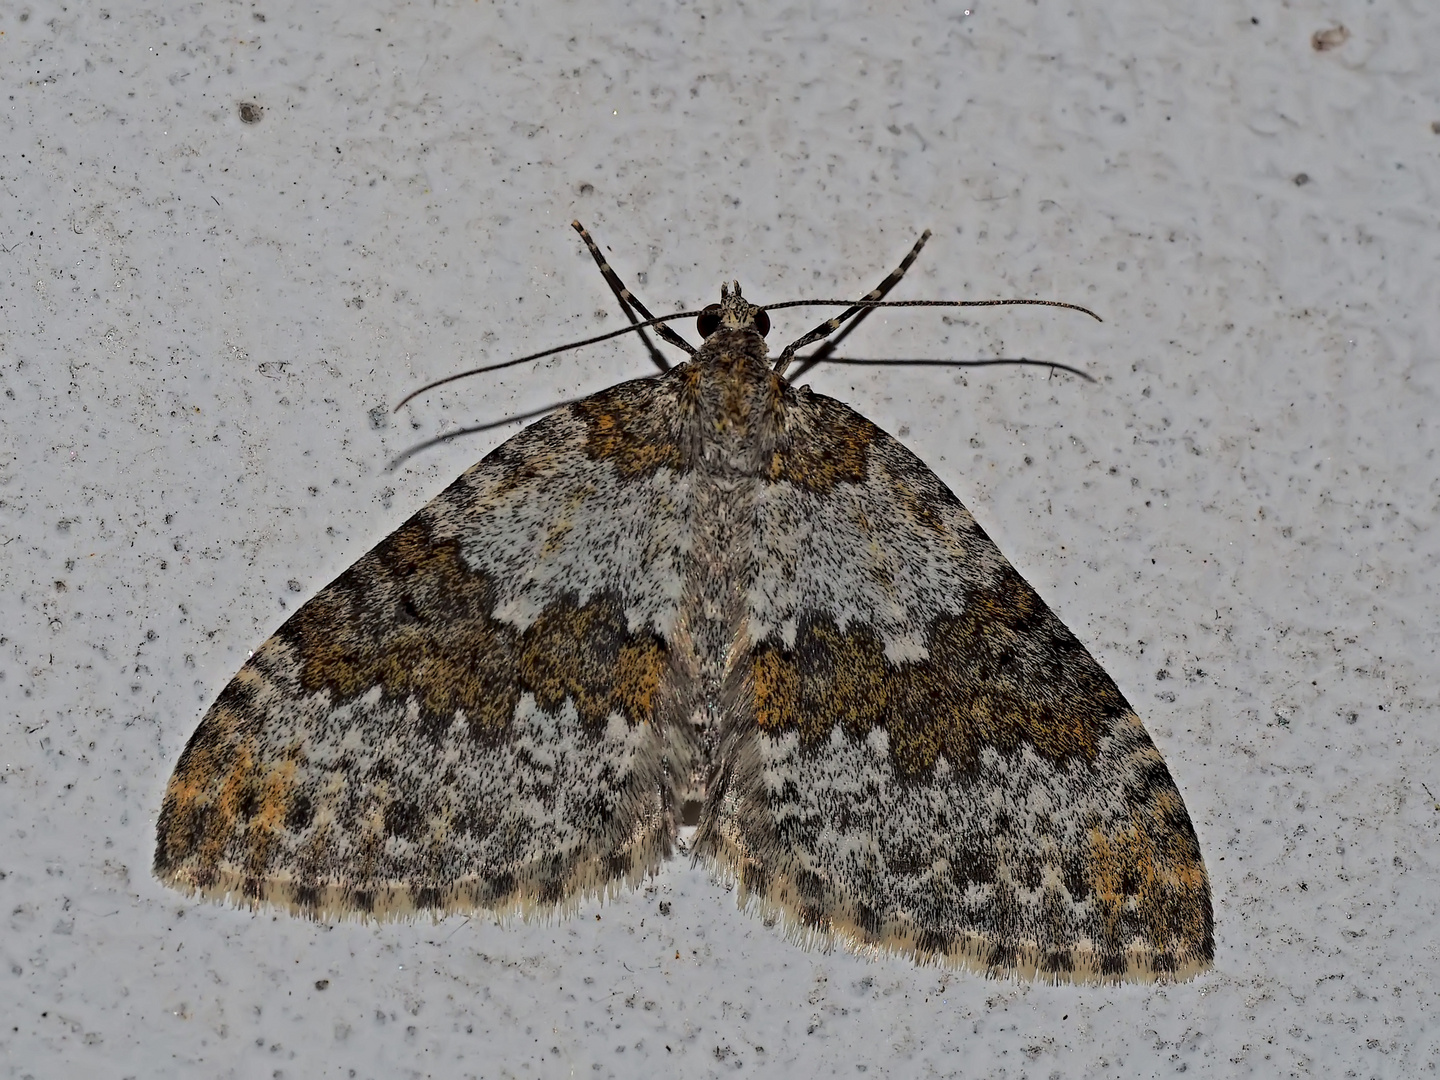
{"type": "Point", "coordinates": [470, 716]}
{"type": "Point", "coordinates": [924, 759]}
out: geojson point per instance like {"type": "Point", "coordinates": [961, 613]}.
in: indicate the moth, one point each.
{"type": "Point", "coordinates": [707, 598]}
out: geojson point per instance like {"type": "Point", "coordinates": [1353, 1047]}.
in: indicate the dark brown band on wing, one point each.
{"type": "Point", "coordinates": [414, 620]}
{"type": "Point", "coordinates": [1002, 672]}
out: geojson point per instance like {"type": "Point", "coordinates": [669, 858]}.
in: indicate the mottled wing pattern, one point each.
{"type": "Point", "coordinates": [471, 715]}
{"type": "Point", "coordinates": [926, 760]}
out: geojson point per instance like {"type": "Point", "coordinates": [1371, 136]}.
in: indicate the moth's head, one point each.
{"type": "Point", "coordinates": [733, 312]}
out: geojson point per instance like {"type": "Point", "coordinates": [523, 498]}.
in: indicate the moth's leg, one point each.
{"type": "Point", "coordinates": [829, 326]}
{"type": "Point", "coordinates": [628, 301]}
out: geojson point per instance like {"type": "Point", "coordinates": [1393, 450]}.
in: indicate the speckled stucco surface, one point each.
{"type": "Point", "coordinates": [232, 235]}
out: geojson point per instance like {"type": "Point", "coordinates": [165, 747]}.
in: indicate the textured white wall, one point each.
{"type": "Point", "coordinates": [203, 322]}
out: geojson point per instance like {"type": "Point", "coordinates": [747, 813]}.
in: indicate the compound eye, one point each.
{"type": "Point", "coordinates": [709, 320]}
{"type": "Point", "coordinates": [762, 322]}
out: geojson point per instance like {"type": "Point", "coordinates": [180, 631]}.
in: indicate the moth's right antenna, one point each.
{"type": "Point", "coordinates": [873, 300]}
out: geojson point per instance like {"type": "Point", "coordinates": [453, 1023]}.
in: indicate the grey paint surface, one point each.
{"type": "Point", "coordinates": [203, 323]}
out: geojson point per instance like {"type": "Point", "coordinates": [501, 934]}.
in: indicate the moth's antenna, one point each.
{"type": "Point", "coordinates": [829, 326]}
{"type": "Point", "coordinates": [856, 310]}
{"type": "Point", "coordinates": [873, 300]}
{"type": "Point", "coordinates": [476, 429]}
{"type": "Point", "coordinates": [627, 301]}
{"type": "Point", "coordinates": [827, 349]}
{"type": "Point", "coordinates": [658, 321]}
{"type": "Point", "coordinates": [785, 358]}
{"type": "Point", "coordinates": [999, 361]}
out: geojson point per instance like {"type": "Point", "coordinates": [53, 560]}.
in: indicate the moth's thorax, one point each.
{"type": "Point", "coordinates": [738, 356]}
{"type": "Point", "coordinates": [734, 404]}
